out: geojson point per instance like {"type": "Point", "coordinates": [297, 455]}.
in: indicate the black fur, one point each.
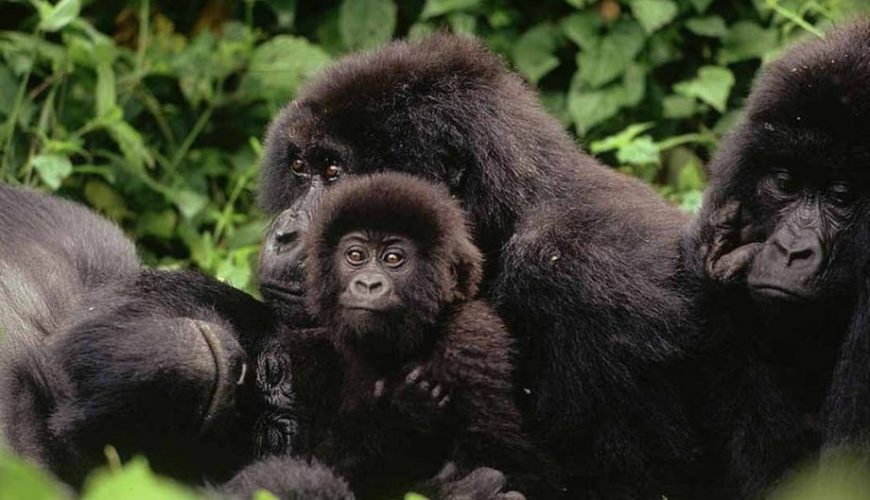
{"type": "Point", "coordinates": [788, 373]}
{"type": "Point", "coordinates": [581, 261]}
{"type": "Point", "coordinates": [97, 350]}
{"type": "Point", "coordinates": [389, 439]}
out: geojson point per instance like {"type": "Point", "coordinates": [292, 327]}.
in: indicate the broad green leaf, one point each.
{"type": "Point", "coordinates": [280, 66]}
{"type": "Point", "coordinates": [678, 106]}
{"type": "Point", "coordinates": [746, 40]}
{"type": "Point", "coordinates": [365, 24]}
{"type": "Point", "coordinates": [613, 54]}
{"type": "Point", "coordinates": [634, 85]}
{"type": "Point", "coordinates": [134, 481]}
{"type": "Point", "coordinates": [434, 8]}
{"type": "Point", "coordinates": [533, 52]}
{"type": "Point", "coordinates": [641, 151]}
{"type": "Point", "coordinates": [582, 28]}
{"type": "Point", "coordinates": [52, 169]}
{"type": "Point", "coordinates": [235, 271]}
{"type": "Point", "coordinates": [131, 144]}
{"type": "Point", "coordinates": [19, 479]}
{"type": "Point", "coordinates": [653, 14]}
{"type": "Point", "coordinates": [460, 22]}
{"type": "Point", "coordinates": [593, 107]}
{"type": "Point", "coordinates": [712, 26]}
{"type": "Point", "coordinates": [60, 15]}
{"type": "Point", "coordinates": [712, 85]}
{"type": "Point", "coordinates": [556, 103]}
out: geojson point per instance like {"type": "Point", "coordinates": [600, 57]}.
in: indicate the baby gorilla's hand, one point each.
{"type": "Point", "coordinates": [726, 258]}
{"type": "Point", "coordinates": [418, 397]}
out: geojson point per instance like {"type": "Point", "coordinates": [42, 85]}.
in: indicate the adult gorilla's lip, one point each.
{"type": "Point", "coordinates": [223, 386]}
{"type": "Point", "coordinates": [777, 292]}
{"type": "Point", "coordinates": [289, 292]}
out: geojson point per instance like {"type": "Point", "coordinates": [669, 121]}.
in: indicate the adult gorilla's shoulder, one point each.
{"type": "Point", "coordinates": [581, 261]}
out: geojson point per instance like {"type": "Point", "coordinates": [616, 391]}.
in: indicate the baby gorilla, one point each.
{"type": "Point", "coordinates": [392, 274]}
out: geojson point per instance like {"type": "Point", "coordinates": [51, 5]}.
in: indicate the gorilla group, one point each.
{"type": "Point", "coordinates": [574, 318]}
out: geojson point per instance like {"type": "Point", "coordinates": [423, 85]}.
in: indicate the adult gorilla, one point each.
{"type": "Point", "coordinates": [97, 350]}
{"type": "Point", "coordinates": [581, 260]}
{"type": "Point", "coordinates": [782, 244]}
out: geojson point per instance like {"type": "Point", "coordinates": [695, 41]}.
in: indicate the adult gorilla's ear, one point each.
{"type": "Point", "coordinates": [466, 269]}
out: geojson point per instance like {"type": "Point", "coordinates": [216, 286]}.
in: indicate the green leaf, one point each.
{"type": "Point", "coordinates": [593, 107]}
{"type": "Point", "coordinates": [364, 24]}
{"type": "Point", "coordinates": [578, 4]}
{"type": "Point", "coordinates": [60, 15]}
{"type": "Point", "coordinates": [701, 6]}
{"type": "Point", "coordinates": [52, 169]}
{"type": "Point", "coordinates": [189, 202]}
{"type": "Point", "coordinates": [746, 40]}
{"type": "Point", "coordinates": [131, 144]}
{"type": "Point", "coordinates": [102, 197]}
{"type": "Point", "coordinates": [157, 224]}
{"type": "Point", "coordinates": [641, 151]}
{"type": "Point", "coordinates": [653, 14]}
{"type": "Point", "coordinates": [134, 481]}
{"type": "Point", "coordinates": [615, 52]}
{"type": "Point", "coordinates": [712, 26]}
{"type": "Point", "coordinates": [106, 100]}
{"type": "Point", "coordinates": [414, 496]}
{"type": "Point", "coordinates": [235, 271]}
{"type": "Point", "coordinates": [279, 67]}
{"type": "Point", "coordinates": [264, 495]}
{"type": "Point", "coordinates": [712, 85]}
{"type": "Point", "coordinates": [461, 22]}
{"type": "Point", "coordinates": [582, 28]}
{"type": "Point", "coordinates": [19, 479]}
{"type": "Point", "coordinates": [533, 52]}
{"type": "Point", "coordinates": [619, 140]}
{"type": "Point", "coordinates": [434, 8]}
{"type": "Point", "coordinates": [678, 106]}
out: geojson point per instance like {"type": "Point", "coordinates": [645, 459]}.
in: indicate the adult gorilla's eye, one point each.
{"type": "Point", "coordinates": [355, 256]}
{"type": "Point", "coordinates": [840, 191]}
{"type": "Point", "coordinates": [393, 259]}
{"type": "Point", "coordinates": [298, 166]}
{"type": "Point", "coordinates": [784, 181]}
{"type": "Point", "coordinates": [332, 172]}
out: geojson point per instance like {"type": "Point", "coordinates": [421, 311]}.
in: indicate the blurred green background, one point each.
{"type": "Point", "coordinates": [151, 111]}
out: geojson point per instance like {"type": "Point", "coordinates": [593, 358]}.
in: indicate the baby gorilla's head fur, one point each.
{"type": "Point", "coordinates": [387, 253]}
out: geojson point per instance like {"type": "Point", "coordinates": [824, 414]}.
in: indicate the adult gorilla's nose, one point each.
{"type": "Point", "coordinates": [798, 250]}
{"type": "Point", "coordinates": [282, 260]}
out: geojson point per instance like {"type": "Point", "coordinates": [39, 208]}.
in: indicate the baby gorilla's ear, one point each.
{"type": "Point", "coordinates": [466, 269]}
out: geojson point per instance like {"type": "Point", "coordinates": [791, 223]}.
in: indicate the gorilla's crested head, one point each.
{"type": "Point", "coordinates": [445, 109]}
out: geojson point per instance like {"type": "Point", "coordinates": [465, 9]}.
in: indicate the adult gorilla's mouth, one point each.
{"type": "Point", "coordinates": [292, 291]}
{"type": "Point", "coordinates": [230, 371]}
{"type": "Point", "coordinates": [779, 293]}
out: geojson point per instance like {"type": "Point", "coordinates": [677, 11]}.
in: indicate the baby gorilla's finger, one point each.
{"type": "Point", "coordinates": [379, 390]}
{"type": "Point", "coordinates": [444, 401]}
{"type": "Point", "coordinates": [436, 391]}
{"type": "Point", "coordinates": [414, 374]}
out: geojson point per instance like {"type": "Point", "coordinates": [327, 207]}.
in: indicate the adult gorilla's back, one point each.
{"type": "Point", "coordinates": [581, 260]}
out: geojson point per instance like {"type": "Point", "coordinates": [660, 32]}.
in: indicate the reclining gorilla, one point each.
{"type": "Point", "coordinates": [393, 275]}
{"type": "Point", "coordinates": [581, 261]}
{"type": "Point", "coordinates": [782, 243]}
{"type": "Point", "coordinates": [97, 350]}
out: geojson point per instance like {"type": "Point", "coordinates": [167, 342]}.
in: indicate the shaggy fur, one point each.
{"type": "Point", "coordinates": [386, 447]}
{"type": "Point", "coordinates": [787, 380]}
{"type": "Point", "coordinates": [581, 261]}
{"type": "Point", "coordinates": [96, 350]}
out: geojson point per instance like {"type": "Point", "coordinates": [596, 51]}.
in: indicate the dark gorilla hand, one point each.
{"type": "Point", "coordinates": [785, 226]}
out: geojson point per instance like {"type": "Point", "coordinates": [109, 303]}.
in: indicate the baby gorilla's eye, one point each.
{"type": "Point", "coordinates": [784, 180]}
{"type": "Point", "coordinates": [298, 166]}
{"type": "Point", "coordinates": [393, 259]}
{"type": "Point", "coordinates": [355, 256]}
{"type": "Point", "coordinates": [332, 172]}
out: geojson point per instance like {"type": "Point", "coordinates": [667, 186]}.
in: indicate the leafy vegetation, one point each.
{"type": "Point", "coordinates": [151, 111]}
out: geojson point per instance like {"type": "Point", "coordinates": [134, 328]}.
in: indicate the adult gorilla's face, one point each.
{"type": "Point", "coordinates": [809, 252]}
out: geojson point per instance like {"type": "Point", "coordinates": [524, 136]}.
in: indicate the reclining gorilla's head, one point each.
{"type": "Point", "coordinates": [445, 108]}
{"type": "Point", "coordinates": [795, 176]}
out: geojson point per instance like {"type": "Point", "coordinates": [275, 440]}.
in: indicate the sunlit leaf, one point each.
{"type": "Point", "coordinates": [653, 14]}
{"type": "Point", "coordinates": [52, 169]}
{"type": "Point", "coordinates": [60, 15]}
{"type": "Point", "coordinates": [712, 85]}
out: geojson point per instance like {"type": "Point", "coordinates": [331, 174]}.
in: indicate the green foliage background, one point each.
{"type": "Point", "coordinates": [151, 111]}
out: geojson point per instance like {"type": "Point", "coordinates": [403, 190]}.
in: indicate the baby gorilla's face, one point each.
{"type": "Point", "coordinates": [374, 271]}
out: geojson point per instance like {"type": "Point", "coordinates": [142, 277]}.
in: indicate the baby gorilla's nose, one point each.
{"type": "Point", "coordinates": [370, 285]}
